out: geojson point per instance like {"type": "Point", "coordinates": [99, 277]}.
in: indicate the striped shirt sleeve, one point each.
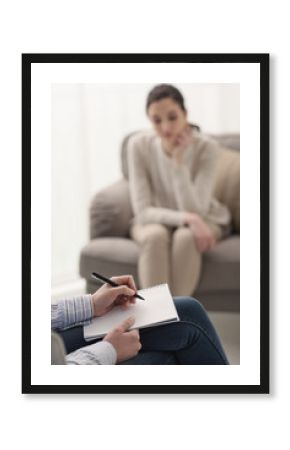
{"type": "Point", "coordinates": [71, 312]}
{"type": "Point", "coordinates": [76, 311]}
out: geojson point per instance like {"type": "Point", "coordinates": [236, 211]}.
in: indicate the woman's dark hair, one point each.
{"type": "Point", "coordinates": [167, 91]}
{"type": "Point", "coordinates": [162, 91]}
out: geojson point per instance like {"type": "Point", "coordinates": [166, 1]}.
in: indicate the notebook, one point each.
{"type": "Point", "coordinates": [158, 308]}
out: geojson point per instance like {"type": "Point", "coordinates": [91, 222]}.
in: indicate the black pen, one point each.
{"type": "Point", "coordinates": [112, 283]}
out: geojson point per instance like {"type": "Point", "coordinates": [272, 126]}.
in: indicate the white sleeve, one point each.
{"type": "Point", "coordinates": [99, 353]}
{"type": "Point", "coordinates": [196, 195]}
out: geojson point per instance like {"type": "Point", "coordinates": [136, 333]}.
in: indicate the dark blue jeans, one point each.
{"type": "Point", "coordinates": [193, 340]}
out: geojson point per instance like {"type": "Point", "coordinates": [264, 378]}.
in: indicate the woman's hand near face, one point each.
{"type": "Point", "coordinates": [106, 297]}
{"type": "Point", "coordinates": [202, 233]}
{"type": "Point", "coordinates": [181, 144]}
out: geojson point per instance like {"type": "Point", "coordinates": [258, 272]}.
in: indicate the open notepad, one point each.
{"type": "Point", "coordinates": [158, 308]}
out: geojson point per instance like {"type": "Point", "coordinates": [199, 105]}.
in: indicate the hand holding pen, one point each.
{"type": "Point", "coordinates": [117, 291]}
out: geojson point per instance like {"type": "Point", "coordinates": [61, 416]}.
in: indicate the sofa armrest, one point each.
{"type": "Point", "coordinates": [111, 211]}
{"type": "Point", "coordinates": [227, 188]}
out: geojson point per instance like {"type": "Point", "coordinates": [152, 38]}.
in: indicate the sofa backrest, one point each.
{"type": "Point", "coordinates": [226, 140]}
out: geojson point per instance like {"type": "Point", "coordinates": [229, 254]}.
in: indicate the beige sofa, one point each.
{"type": "Point", "coordinates": [111, 251]}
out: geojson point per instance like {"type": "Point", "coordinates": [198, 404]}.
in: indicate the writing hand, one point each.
{"type": "Point", "coordinates": [106, 297]}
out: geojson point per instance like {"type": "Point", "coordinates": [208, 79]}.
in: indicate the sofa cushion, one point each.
{"type": "Point", "coordinates": [221, 267]}
{"type": "Point", "coordinates": [119, 256]}
{"type": "Point", "coordinates": [111, 211]}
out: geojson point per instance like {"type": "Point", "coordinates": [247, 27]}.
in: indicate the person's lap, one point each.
{"type": "Point", "coordinates": [193, 340]}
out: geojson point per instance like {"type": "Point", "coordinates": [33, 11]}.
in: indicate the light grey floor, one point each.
{"type": "Point", "coordinates": [228, 328]}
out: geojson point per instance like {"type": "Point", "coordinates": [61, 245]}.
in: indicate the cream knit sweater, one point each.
{"type": "Point", "coordinates": [163, 192]}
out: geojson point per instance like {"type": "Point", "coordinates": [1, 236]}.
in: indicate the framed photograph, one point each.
{"type": "Point", "coordinates": [81, 116]}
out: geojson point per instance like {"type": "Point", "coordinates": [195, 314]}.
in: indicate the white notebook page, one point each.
{"type": "Point", "coordinates": [157, 307]}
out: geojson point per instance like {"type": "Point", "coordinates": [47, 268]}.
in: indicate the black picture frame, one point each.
{"type": "Point", "coordinates": [263, 61]}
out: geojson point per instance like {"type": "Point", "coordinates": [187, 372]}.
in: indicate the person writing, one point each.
{"type": "Point", "coordinates": [171, 180]}
{"type": "Point", "coordinates": [192, 340]}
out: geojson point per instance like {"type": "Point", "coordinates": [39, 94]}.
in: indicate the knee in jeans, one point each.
{"type": "Point", "coordinates": [197, 305]}
{"type": "Point", "coordinates": [191, 305]}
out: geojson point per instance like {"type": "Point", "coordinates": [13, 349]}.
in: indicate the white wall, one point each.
{"type": "Point", "coordinates": [89, 122]}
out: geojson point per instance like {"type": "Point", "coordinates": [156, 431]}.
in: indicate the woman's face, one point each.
{"type": "Point", "coordinates": [168, 119]}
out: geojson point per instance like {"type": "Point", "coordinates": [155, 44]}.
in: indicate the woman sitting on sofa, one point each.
{"type": "Point", "coordinates": [171, 179]}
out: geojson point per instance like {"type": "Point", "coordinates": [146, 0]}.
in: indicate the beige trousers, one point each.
{"type": "Point", "coordinates": [168, 256]}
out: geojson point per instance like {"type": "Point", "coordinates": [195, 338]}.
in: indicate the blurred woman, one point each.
{"type": "Point", "coordinates": [171, 177]}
